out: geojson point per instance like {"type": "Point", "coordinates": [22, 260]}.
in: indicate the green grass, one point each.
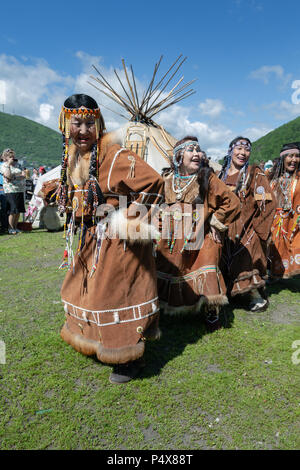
{"type": "Point", "coordinates": [234, 389]}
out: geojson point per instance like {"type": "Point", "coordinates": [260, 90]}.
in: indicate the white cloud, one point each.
{"type": "Point", "coordinates": [30, 84]}
{"type": "Point", "coordinates": [2, 92]}
{"type": "Point", "coordinates": [45, 111]}
{"type": "Point", "coordinates": [212, 107]}
{"type": "Point", "coordinates": [254, 133]}
{"type": "Point", "coordinates": [283, 110]}
{"type": "Point", "coordinates": [265, 73]}
{"type": "Point", "coordinates": [212, 138]}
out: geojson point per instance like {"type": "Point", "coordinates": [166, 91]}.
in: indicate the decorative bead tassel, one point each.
{"type": "Point", "coordinates": [81, 225]}
{"type": "Point", "coordinates": [100, 232]}
{"type": "Point", "coordinates": [132, 167]}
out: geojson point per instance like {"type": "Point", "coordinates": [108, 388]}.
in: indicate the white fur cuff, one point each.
{"type": "Point", "coordinates": [214, 222]}
{"type": "Point", "coordinates": [133, 230]}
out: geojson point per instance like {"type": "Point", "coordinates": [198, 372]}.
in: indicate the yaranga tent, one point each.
{"type": "Point", "coordinates": [141, 133]}
{"type": "Point", "coordinates": [39, 214]}
{"type": "Point", "coordinates": [153, 144]}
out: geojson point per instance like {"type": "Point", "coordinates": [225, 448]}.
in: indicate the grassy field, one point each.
{"type": "Point", "coordinates": [236, 388]}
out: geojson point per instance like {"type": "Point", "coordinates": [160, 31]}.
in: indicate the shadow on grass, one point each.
{"type": "Point", "coordinates": [275, 287]}
{"type": "Point", "coordinates": [177, 333]}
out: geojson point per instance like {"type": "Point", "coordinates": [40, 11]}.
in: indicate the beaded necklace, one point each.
{"type": "Point", "coordinates": [177, 186]}
{"type": "Point", "coordinates": [285, 183]}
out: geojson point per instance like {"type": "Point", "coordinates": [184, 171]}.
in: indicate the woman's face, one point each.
{"type": "Point", "coordinates": [10, 157]}
{"type": "Point", "coordinates": [83, 132]}
{"type": "Point", "coordinates": [291, 161]}
{"type": "Point", "coordinates": [240, 155]}
{"type": "Point", "coordinates": [191, 159]}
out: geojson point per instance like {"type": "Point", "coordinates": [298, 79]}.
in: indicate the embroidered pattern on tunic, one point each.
{"type": "Point", "coordinates": [135, 311]}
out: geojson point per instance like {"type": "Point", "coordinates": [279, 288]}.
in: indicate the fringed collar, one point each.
{"type": "Point", "coordinates": [188, 196]}
{"type": "Point", "coordinates": [78, 167]}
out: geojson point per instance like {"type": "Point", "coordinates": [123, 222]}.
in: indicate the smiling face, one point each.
{"type": "Point", "coordinates": [292, 161]}
{"type": "Point", "coordinates": [191, 159]}
{"type": "Point", "coordinates": [83, 132]}
{"type": "Point", "coordinates": [240, 155]}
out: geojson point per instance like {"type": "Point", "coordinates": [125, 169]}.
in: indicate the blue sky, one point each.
{"type": "Point", "coordinates": [245, 55]}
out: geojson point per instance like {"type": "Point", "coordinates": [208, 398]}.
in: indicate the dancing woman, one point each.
{"type": "Point", "coordinates": [109, 292]}
{"type": "Point", "coordinates": [197, 211]}
{"type": "Point", "coordinates": [285, 182]}
{"type": "Point", "coordinates": [244, 259]}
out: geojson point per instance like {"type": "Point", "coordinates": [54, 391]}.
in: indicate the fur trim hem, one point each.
{"type": "Point", "coordinates": [183, 309]}
{"type": "Point", "coordinates": [89, 347]}
{"type": "Point", "coordinates": [213, 300]}
{"type": "Point", "coordinates": [291, 275]}
{"type": "Point", "coordinates": [247, 275]}
{"type": "Point", "coordinates": [120, 355]}
{"type": "Point", "coordinates": [217, 300]}
{"type": "Point", "coordinates": [248, 289]}
{"type": "Point", "coordinates": [79, 343]}
{"type": "Point", "coordinates": [214, 222]}
{"type": "Point", "coordinates": [153, 333]}
{"type": "Point", "coordinates": [132, 230]}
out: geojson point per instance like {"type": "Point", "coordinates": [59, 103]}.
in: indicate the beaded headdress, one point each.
{"type": "Point", "coordinates": [67, 113]}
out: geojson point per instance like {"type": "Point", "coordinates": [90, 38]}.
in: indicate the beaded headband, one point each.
{"type": "Point", "coordinates": [286, 152]}
{"type": "Point", "coordinates": [66, 114]}
{"type": "Point", "coordinates": [244, 143]}
{"type": "Point", "coordinates": [185, 144]}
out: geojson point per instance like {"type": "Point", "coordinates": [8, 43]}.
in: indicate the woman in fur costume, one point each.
{"type": "Point", "coordinates": [109, 292]}
{"type": "Point", "coordinates": [244, 260]}
{"type": "Point", "coordinates": [197, 211]}
{"type": "Point", "coordinates": [284, 179]}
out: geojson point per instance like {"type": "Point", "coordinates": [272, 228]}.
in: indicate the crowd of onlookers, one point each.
{"type": "Point", "coordinates": [16, 186]}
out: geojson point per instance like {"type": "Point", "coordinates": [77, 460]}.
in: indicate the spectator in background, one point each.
{"type": "Point", "coordinates": [14, 187]}
{"type": "Point", "coordinates": [268, 166]}
{"type": "Point", "coordinates": [3, 213]}
{"type": "Point", "coordinates": [42, 170]}
{"type": "Point", "coordinates": [35, 177]}
{"type": "Point", "coordinates": [27, 173]}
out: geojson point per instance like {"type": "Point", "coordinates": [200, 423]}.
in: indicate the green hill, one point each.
{"type": "Point", "coordinates": [37, 144]}
{"type": "Point", "coordinates": [268, 146]}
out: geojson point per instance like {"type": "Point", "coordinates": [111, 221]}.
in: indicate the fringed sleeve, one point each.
{"type": "Point", "coordinates": [130, 176]}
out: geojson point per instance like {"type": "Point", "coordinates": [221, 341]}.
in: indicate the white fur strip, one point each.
{"type": "Point", "coordinates": [133, 230]}
{"type": "Point", "coordinates": [214, 222]}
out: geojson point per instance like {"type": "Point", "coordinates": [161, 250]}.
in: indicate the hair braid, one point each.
{"type": "Point", "coordinates": [94, 195]}
{"type": "Point", "coordinates": [225, 167]}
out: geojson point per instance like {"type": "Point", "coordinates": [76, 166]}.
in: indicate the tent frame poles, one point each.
{"type": "Point", "coordinates": [142, 110]}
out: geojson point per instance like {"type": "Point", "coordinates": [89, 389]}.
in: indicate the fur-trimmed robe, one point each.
{"type": "Point", "coordinates": [284, 251]}
{"type": "Point", "coordinates": [189, 278]}
{"type": "Point", "coordinates": [244, 258]}
{"type": "Point", "coordinates": [112, 312]}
